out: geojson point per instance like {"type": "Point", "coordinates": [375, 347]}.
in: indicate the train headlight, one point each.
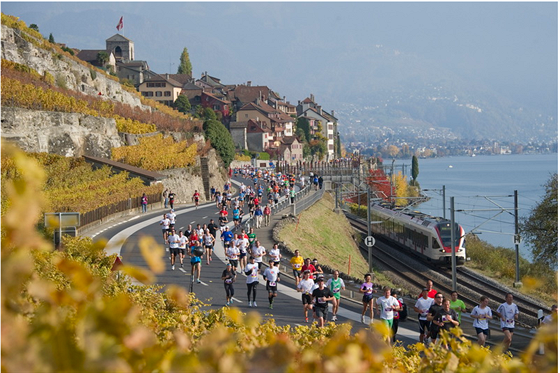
{"type": "Point", "coordinates": [442, 250]}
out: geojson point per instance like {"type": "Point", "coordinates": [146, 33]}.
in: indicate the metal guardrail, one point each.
{"type": "Point", "coordinates": [285, 202]}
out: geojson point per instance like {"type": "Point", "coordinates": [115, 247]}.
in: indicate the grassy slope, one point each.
{"type": "Point", "coordinates": [323, 234]}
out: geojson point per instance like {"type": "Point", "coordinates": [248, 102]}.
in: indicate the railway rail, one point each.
{"type": "Point", "coordinates": [471, 285]}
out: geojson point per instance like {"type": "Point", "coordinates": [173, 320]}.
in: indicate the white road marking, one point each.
{"type": "Point", "coordinates": [237, 300]}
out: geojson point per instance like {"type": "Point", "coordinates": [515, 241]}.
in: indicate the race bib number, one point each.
{"type": "Point", "coordinates": [229, 281]}
{"type": "Point", "coordinates": [509, 321]}
{"type": "Point", "coordinates": [424, 313]}
{"type": "Point", "coordinates": [336, 290]}
{"type": "Point", "coordinates": [388, 309]}
{"type": "Point", "coordinates": [254, 274]}
{"type": "Point", "coordinates": [297, 266]}
{"type": "Point", "coordinates": [272, 283]}
{"type": "Point", "coordinates": [321, 300]}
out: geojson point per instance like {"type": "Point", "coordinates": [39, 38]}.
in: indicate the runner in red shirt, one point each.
{"type": "Point", "coordinates": [431, 291]}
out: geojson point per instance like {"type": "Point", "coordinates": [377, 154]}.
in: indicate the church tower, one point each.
{"type": "Point", "coordinates": [121, 47]}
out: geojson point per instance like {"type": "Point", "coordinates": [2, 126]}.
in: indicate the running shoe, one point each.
{"type": "Point", "coordinates": [250, 304]}
{"type": "Point", "coordinates": [270, 306]}
{"type": "Point", "coordinates": [307, 319]}
{"type": "Point", "coordinates": [181, 265]}
{"type": "Point", "coordinates": [334, 318]}
{"type": "Point", "coordinates": [363, 319]}
{"type": "Point", "coordinates": [198, 281]}
{"type": "Point", "coordinates": [254, 304]}
{"type": "Point", "coordinates": [173, 267]}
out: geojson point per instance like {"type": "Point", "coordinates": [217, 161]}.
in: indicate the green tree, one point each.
{"type": "Point", "coordinates": [540, 228]}
{"type": "Point", "coordinates": [208, 113]}
{"type": "Point", "coordinates": [221, 140]}
{"type": "Point", "coordinates": [182, 104]}
{"type": "Point", "coordinates": [415, 169]}
{"type": "Point", "coordinates": [303, 124]}
{"type": "Point", "coordinates": [51, 38]}
{"type": "Point", "coordinates": [102, 58]}
{"type": "Point", "coordinates": [33, 26]}
{"type": "Point", "coordinates": [185, 66]}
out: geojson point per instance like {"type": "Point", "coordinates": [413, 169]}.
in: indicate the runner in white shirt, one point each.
{"type": "Point", "coordinates": [164, 227]}
{"type": "Point", "coordinates": [422, 306]}
{"type": "Point", "coordinates": [305, 287]}
{"type": "Point", "coordinates": [252, 272]}
{"type": "Point", "coordinates": [508, 313]}
{"type": "Point", "coordinates": [481, 314]}
{"type": "Point", "coordinates": [171, 216]}
{"type": "Point", "coordinates": [183, 241]}
{"type": "Point", "coordinates": [232, 253]}
{"type": "Point", "coordinates": [243, 245]}
{"type": "Point", "coordinates": [258, 252]}
{"type": "Point", "coordinates": [386, 305]}
{"type": "Point", "coordinates": [274, 253]}
{"type": "Point", "coordinates": [272, 276]}
{"type": "Point", "coordinates": [174, 241]}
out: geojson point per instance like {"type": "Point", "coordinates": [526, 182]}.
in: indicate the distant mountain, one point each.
{"type": "Point", "coordinates": [402, 90]}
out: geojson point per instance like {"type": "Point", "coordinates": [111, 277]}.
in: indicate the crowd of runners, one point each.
{"type": "Point", "coordinates": [247, 257]}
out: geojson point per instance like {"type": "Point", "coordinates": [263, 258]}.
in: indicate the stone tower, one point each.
{"type": "Point", "coordinates": [121, 47]}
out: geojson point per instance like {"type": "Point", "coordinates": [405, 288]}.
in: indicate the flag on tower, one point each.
{"type": "Point", "coordinates": [120, 25]}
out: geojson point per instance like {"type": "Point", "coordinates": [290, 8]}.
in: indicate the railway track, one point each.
{"type": "Point", "coordinates": [471, 285]}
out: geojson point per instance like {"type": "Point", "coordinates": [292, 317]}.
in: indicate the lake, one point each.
{"type": "Point", "coordinates": [487, 183]}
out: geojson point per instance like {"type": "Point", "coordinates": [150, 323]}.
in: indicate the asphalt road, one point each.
{"type": "Point", "coordinates": [123, 238]}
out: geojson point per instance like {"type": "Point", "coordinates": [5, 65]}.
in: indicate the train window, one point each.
{"type": "Point", "coordinates": [435, 244]}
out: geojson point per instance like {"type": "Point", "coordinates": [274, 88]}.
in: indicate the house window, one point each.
{"type": "Point", "coordinates": [167, 94]}
{"type": "Point", "coordinates": [158, 94]}
{"type": "Point", "coordinates": [147, 94]}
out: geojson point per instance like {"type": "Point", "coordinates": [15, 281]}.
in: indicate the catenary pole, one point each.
{"type": "Point", "coordinates": [453, 257]}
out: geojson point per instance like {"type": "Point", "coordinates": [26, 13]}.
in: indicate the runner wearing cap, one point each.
{"type": "Point", "coordinates": [272, 276]}
{"type": "Point", "coordinates": [321, 297]}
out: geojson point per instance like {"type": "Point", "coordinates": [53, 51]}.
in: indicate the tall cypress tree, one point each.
{"type": "Point", "coordinates": [185, 66]}
{"type": "Point", "coordinates": [415, 168]}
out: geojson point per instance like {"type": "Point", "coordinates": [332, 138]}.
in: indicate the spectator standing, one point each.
{"type": "Point", "coordinates": [266, 213]}
{"type": "Point", "coordinates": [165, 196]}
{"type": "Point", "coordinates": [144, 203]}
{"type": "Point", "coordinates": [171, 199]}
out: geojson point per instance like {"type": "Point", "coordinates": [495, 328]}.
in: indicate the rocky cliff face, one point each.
{"type": "Point", "coordinates": [68, 134]}
{"type": "Point", "coordinates": [75, 75]}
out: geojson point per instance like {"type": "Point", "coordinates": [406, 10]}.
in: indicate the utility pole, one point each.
{"type": "Point", "coordinates": [453, 257]}
{"type": "Point", "coordinates": [369, 226]}
{"type": "Point", "coordinates": [516, 238]}
{"type": "Point", "coordinates": [443, 190]}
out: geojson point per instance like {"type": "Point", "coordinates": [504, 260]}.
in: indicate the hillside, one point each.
{"type": "Point", "coordinates": [405, 95]}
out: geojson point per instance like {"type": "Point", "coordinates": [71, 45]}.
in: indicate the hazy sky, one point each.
{"type": "Point", "coordinates": [510, 46]}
